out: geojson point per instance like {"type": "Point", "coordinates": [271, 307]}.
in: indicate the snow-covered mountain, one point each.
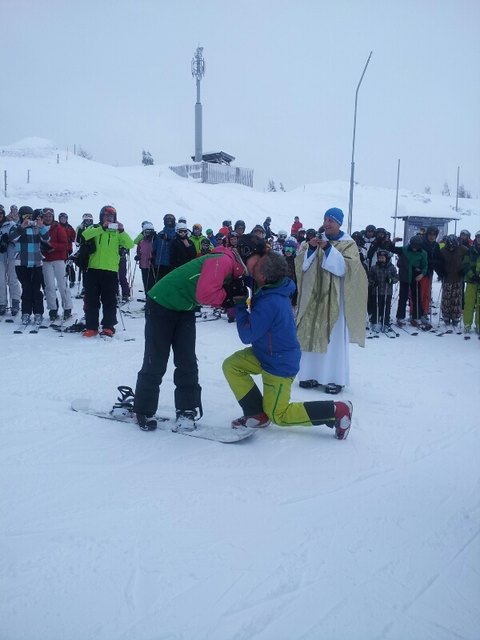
{"type": "Point", "coordinates": [70, 183]}
{"type": "Point", "coordinates": [111, 533]}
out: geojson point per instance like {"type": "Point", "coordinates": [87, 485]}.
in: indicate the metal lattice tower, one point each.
{"type": "Point", "coordinates": [198, 71]}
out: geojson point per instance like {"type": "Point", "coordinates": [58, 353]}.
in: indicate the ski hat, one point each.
{"type": "Point", "coordinates": [336, 214]}
{"type": "Point", "coordinates": [384, 253]}
{"type": "Point", "coordinates": [87, 216]}
{"type": "Point", "coordinates": [63, 215]}
{"type": "Point", "coordinates": [432, 229]}
{"type": "Point", "coordinates": [239, 224]}
{"type": "Point", "coordinates": [182, 219]}
{"type": "Point", "coordinates": [38, 213]}
{"type": "Point", "coordinates": [282, 234]}
{"type": "Point", "coordinates": [25, 211]}
{"type": "Point", "coordinates": [169, 220]}
{"type": "Point", "coordinates": [416, 242]}
{"type": "Point", "coordinates": [465, 232]}
{"type": "Point", "coordinates": [181, 226]}
{"type": "Point", "coordinates": [209, 232]}
{"type": "Point", "coordinates": [147, 225]}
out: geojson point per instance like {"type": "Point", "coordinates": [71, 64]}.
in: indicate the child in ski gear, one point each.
{"type": "Point", "coordinates": [101, 278]}
{"type": "Point", "coordinates": [85, 248]}
{"type": "Point", "coordinates": [8, 276]}
{"type": "Point", "coordinates": [290, 252]}
{"type": "Point", "coordinates": [471, 267]}
{"type": "Point", "coordinates": [382, 276]}
{"type": "Point", "coordinates": [170, 325]}
{"type": "Point", "coordinates": [412, 265]}
{"type": "Point", "coordinates": [432, 249]}
{"type": "Point", "coordinates": [161, 247]}
{"type": "Point", "coordinates": [183, 250]}
{"type": "Point", "coordinates": [28, 234]}
{"type": "Point", "coordinates": [144, 255]}
{"type": "Point", "coordinates": [451, 273]}
{"type": "Point", "coordinates": [55, 254]}
{"type": "Point", "coordinates": [274, 354]}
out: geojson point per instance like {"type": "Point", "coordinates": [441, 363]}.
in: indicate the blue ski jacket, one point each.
{"type": "Point", "coordinates": [270, 329]}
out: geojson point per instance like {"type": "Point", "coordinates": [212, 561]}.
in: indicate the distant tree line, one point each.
{"type": "Point", "coordinates": [272, 187]}
{"type": "Point", "coordinates": [462, 192]}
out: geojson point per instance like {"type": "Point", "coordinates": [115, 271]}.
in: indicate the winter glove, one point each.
{"type": "Point", "coordinates": [137, 258]}
{"type": "Point", "coordinates": [417, 271]}
{"type": "Point", "coordinates": [234, 289]}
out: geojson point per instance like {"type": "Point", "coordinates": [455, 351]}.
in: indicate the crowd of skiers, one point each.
{"type": "Point", "coordinates": [38, 254]}
{"type": "Point", "coordinates": [454, 260]}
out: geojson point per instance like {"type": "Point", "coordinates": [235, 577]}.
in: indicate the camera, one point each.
{"type": "Point", "coordinates": [32, 223]}
{"type": "Point", "coordinates": [113, 225]}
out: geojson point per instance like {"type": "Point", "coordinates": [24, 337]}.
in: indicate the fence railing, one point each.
{"type": "Point", "coordinates": [213, 173]}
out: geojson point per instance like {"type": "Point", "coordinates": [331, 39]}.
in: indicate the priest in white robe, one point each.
{"type": "Point", "coordinates": [331, 307]}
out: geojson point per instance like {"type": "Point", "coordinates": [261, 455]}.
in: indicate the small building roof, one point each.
{"type": "Point", "coordinates": [217, 157]}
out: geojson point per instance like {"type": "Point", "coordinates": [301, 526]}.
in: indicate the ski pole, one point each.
{"type": "Point", "coordinates": [133, 277]}
{"type": "Point", "coordinates": [384, 308]}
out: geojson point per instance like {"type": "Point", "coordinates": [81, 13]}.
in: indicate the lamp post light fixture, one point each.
{"type": "Point", "coordinates": [352, 166]}
{"type": "Point", "coordinates": [198, 71]}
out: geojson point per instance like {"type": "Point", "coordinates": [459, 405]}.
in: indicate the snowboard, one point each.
{"type": "Point", "coordinates": [225, 435]}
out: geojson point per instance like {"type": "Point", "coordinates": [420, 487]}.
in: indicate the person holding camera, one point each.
{"type": "Point", "coordinates": [28, 234]}
{"type": "Point", "coordinates": [101, 278]}
{"type": "Point", "coordinates": [8, 276]}
{"type": "Point", "coordinates": [214, 280]}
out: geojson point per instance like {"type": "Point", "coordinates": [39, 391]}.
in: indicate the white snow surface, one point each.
{"type": "Point", "coordinates": [112, 533]}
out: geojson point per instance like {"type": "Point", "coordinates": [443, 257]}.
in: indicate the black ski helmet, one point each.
{"type": "Point", "coordinates": [239, 224]}
{"type": "Point", "coordinates": [451, 242]}
{"type": "Point", "coordinates": [249, 245]}
{"type": "Point", "coordinates": [359, 241]}
{"type": "Point", "coordinates": [370, 228]}
{"type": "Point", "coordinates": [310, 233]}
{"type": "Point", "coordinates": [381, 233]}
{"type": "Point", "coordinates": [416, 242]}
{"type": "Point", "coordinates": [25, 211]}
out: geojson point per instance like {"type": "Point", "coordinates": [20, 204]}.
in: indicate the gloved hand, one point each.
{"type": "Point", "coordinates": [389, 280]}
{"type": "Point", "coordinates": [137, 258]}
{"type": "Point", "coordinates": [236, 289]}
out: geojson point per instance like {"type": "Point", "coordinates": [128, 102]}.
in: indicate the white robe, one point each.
{"type": "Point", "coordinates": [333, 365]}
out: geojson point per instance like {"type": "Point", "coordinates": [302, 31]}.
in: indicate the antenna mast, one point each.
{"type": "Point", "coordinates": [198, 71]}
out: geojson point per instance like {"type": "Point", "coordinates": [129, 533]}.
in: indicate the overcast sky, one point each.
{"type": "Point", "coordinates": [278, 93]}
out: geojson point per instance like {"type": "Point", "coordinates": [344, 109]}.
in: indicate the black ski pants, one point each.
{"type": "Point", "coordinates": [148, 279]}
{"type": "Point", "coordinates": [409, 290]}
{"type": "Point", "coordinates": [382, 304]}
{"type": "Point", "coordinates": [166, 329]}
{"type": "Point", "coordinates": [31, 279]}
{"type": "Point", "coordinates": [100, 288]}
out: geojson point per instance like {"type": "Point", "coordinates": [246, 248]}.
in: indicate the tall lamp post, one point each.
{"type": "Point", "coordinates": [352, 166]}
{"type": "Point", "coordinates": [198, 71]}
